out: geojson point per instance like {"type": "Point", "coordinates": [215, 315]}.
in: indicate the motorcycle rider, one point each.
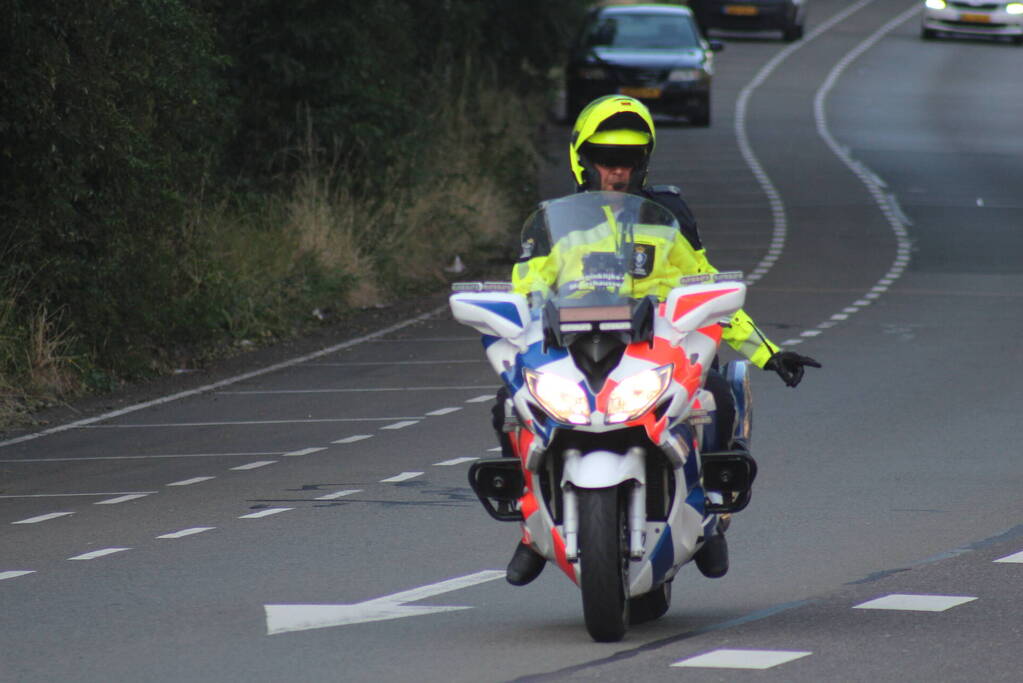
{"type": "Point", "coordinates": [609, 150]}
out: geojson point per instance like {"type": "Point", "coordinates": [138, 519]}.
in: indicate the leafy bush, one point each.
{"type": "Point", "coordinates": [180, 175]}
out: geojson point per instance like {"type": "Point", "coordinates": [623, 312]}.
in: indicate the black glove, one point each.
{"type": "Point", "coordinates": [789, 366]}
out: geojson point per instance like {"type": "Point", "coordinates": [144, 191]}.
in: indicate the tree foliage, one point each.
{"type": "Point", "coordinates": [120, 120]}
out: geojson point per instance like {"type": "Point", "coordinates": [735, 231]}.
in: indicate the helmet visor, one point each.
{"type": "Point", "coordinates": [615, 156]}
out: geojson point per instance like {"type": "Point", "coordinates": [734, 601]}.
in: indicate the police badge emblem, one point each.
{"type": "Point", "coordinates": [642, 260]}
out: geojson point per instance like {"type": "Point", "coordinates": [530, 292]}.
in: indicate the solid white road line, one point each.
{"type": "Point", "coordinates": [354, 438]}
{"type": "Point", "coordinates": [121, 499]}
{"type": "Point", "coordinates": [264, 513]}
{"type": "Point", "coordinates": [401, 425]}
{"type": "Point", "coordinates": [916, 603]}
{"type": "Point", "coordinates": [396, 362]}
{"type": "Point", "coordinates": [248, 423]}
{"type": "Point", "coordinates": [453, 461]}
{"type": "Point", "coordinates": [254, 465]}
{"type": "Point", "coordinates": [43, 518]}
{"type": "Point", "coordinates": [188, 532]}
{"type": "Point", "coordinates": [230, 380]}
{"type": "Point", "coordinates": [338, 494]}
{"type": "Point", "coordinates": [355, 390]}
{"type": "Point", "coordinates": [13, 574]}
{"type": "Point", "coordinates": [742, 659]}
{"type": "Point", "coordinates": [98, 553]}
{"type": "Point", "coordinates": [73, 495]}
{"type": "Point", "coordinates": [404, 476]}
{"type": "Point", "coordinates": [307, 451]}
{"type": "Point", "coordinates": [189, 482]}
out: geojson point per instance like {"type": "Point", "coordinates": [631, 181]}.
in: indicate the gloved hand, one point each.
{"type": "Point", "coordinates": [789, 366]}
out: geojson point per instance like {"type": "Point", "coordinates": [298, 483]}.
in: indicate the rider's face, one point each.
{"type": "Point", "coordinates": [614, 178]}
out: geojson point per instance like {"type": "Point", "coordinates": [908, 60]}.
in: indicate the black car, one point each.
{"type": "Point", "coordinates": [786, 16]}
{"type": "Point", "coordinates": [654, 53]}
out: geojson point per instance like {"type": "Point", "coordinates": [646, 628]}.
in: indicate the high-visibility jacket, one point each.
{"type": "Point", "coordinates": [666, 256]}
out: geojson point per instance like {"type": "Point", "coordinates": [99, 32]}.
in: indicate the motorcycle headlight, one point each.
{"type": "Point", "coordinates": [563, 399]}
{"type": "Point", "coordinates": [1014, 8]}
{"type": "Point", "coordinates": [685, 75]}
{"type": "Point", "coordinates": [637, 394]}
{"type": "Point", "coordinates": [935, 4]}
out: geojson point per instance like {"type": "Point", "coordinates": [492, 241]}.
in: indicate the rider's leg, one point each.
{"type": "Point", "coordinates": [526, 564]}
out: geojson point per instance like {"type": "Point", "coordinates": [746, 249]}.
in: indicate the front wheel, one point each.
{"type": "Point", "coordinates": [603, 563]}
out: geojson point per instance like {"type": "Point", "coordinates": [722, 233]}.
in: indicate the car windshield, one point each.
{"type": "Point", "coordinates": [642, 31]}
{"type": "Point", "coordinates": [593, 245]}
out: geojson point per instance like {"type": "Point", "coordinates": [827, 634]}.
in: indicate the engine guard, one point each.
{"type": "Point", "coordinates": [730, 473]}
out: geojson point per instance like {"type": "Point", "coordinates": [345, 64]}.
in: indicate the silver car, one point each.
{"type": "Point", "coordinates": [973, 18]}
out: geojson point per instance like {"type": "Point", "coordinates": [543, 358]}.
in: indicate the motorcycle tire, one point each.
{"type": "Point", "coordinates": [650, 606]}
{"type": "Point", "coordinates": [603, 556]}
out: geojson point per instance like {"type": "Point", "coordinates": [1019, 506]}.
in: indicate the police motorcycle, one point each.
{"type": "Point", "coordinates": [617, 478]}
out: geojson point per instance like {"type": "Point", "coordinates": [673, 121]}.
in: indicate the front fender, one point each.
{"type": "Point", "coordinates": [603, 469]}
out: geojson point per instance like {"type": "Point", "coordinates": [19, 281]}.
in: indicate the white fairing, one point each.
{"type": "Point", "coordinates": [602, 469]}
{"type": "Point", "coordinates": [720, 301]}
{"type": "Point", "coordinates": [497, 314]}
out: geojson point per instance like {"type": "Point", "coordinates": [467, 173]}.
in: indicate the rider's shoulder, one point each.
{"type": "Point", "coordinates": [665, 190]}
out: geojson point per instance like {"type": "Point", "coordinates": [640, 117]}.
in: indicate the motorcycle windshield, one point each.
{"type": "Point", "coordinates": [600, 244]}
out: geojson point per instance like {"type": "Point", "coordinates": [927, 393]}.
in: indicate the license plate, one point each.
{"type": "Point", "coordinates": [742, 10]}
{"type": "Point", "coordinates": [975, 18]}
{"type": "Point", "coordinates": [641, 93]}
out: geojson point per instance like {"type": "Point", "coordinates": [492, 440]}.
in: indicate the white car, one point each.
{"type": "Point", "coordinates": [973, 18]}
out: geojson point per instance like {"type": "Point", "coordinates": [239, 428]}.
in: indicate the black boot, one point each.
{"type": "Point", "coordinates": [525, 565]}
{"type": "Point", "coordinates": [712, 558]}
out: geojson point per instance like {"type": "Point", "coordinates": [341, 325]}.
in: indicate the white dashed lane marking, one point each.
{"type": "Point", "coordinates": [742, 659]}
{"type": "Point", "coordinates": [121, 499]}
{"type": "Point", "coordinates": [43, 518]}
{"type": "Point", "coordinates": [443, 411]}
{"type": "Point", "coordinates": [254, 465]}
{"type": "Point", "coordinates": [264, 513]}
{"type": "Point", "coordinates": [916, 603]}
{"type": "Point", "coordinates": [481, 399]}
{"type": "Point", "coordinates": [401, 425]}
{"type": "Point", "coordinates": [338, 494]}
{"type": "Point", "coordinates": [188, 532]}
{"type": "Point", "coordinates": [453, 461]}
{"type": "Point", "coordinates": [189, 482]}
{"type": "Point", "coordinates": [98, 553]}
{"type": "Point", "coordinates": [13, 574]}
{"type": "Point", "coordinates": [307, 451]}
{"type": "Point", "coordinates": [404, 476]}
{"type": "Point", "coordinates": [354, 438]}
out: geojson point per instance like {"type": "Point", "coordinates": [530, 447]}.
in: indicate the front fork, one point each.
{"type": "Point", "coordinates": [602, 469]}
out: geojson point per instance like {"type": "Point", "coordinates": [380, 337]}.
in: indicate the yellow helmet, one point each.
{"type": "Point", "coordinates": [611, 130]}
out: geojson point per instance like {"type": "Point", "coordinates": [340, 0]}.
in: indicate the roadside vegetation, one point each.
{"type": "Point", "coordinates": [186, 178]}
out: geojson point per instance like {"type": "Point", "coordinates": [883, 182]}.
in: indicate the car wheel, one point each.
{"type": "Point", "coordinates": [1017, 40]}
{"type": "Point", "coordinates": [792, 32]}
{"type": "Point", "coordinates": [701, 117]}
{"type": "Point", "coordinates": [928, 33]}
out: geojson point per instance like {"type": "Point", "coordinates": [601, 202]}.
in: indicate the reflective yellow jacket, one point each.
{"type": "Point", "coordinates": [672, 257]}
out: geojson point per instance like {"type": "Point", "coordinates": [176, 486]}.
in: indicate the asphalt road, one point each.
{"type": "Point", "coordinates": [301, 522]}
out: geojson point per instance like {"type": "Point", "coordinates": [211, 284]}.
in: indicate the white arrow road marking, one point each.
{"type": "Point", "coordinates": [286, 618]}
